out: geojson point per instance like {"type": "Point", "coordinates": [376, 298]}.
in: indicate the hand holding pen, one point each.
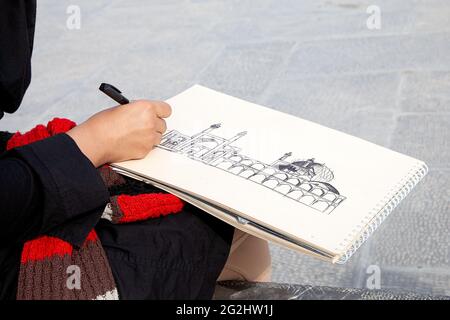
{"type": "Point", "coordinates": [128, 131]}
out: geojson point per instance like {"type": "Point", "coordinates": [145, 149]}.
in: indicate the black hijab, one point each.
{"type": "Point", "coordinates": [17, 20]}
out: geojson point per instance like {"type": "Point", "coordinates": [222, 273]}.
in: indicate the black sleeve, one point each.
{"type": "Point", "coordinates": [17, 24]}
{"type": "Point", "coordinates": [49, 187]}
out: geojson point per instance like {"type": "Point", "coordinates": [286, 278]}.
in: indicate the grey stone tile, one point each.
{"type": "Point", "coordinates": [303, 20]}
{"type": "Point", "coordinates": [43, 95]}
{"type": "Point", "coordinates": [65, 67]}
{"type": "Point", "coordinates": [81, 104]}
{"type": "Point", "coordinates": [77, 105]}
{"type": "Point", "coordinates": [371, 54]}
{"type": "Point", "coordinates": [52, 17]}
{"type": "Point", "coordinates": [154, 72]}
{"type": "Point", "coordinates": [158, 61]}
{"type": "Point", "coordinates": [422, 281]}
{"type": "Point", "coordinates": [351, 92]}
{"type": "Point", "coordinates": [356, 104]}
{"type": "Point", "coordinates": [17, 122]}
{"type": "Point", "coordinates": [426, 92]}
{"type": "Point", "coordinates": [425, 137]}
{"type": "Point", "coordinates": [109, 38]}
{"type": "Point", "coordinates": [434, 84]}
{"type": "Point", "coordinates": [432, 16]}
{"type": "Point", "coordinates": [417, 233]}
{"type": "Point", "coordinates": [245, 70]}
{"type": "Point", "coordinates": [155, 18]}
{"type": "Point", "coordinates": [158, 70]}
{"type": "Point", "coordinates": [338, 7]}
{"type": "Point", "coordinates": [422, 104]}
{"type": "Point", "coordinates": [327, 25]}
{"type": "Point", "coordinates": [292, 267]}
{"type": "Point", "coordinates": [235, 31]}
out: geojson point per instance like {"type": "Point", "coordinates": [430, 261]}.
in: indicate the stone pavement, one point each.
{"type": "Point", "coordinates": [314, 59]}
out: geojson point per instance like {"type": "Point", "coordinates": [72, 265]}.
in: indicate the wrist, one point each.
{"type": "Point", "coordinates": [89, 145]}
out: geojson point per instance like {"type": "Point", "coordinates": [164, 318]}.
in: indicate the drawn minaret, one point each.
{"type": "Point", "coordinates": [222, 146]}
{"type": "Point", "coordinates": [284, 157]}
{"type": "Point", "coordinates": [197, 136]}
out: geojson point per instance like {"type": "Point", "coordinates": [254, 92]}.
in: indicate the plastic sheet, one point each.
{"type": "Point", "coordinates": [274, 291]}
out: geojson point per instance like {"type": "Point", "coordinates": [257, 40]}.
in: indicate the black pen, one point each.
{"type": "Point", "coordinates": [113, 93]}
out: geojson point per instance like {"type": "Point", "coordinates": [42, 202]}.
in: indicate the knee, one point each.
{"type": "Point", "coordinates": [249, 259]}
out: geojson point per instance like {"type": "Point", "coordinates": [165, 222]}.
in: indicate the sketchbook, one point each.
{"type": "Point", "coordinates": [278, 177]}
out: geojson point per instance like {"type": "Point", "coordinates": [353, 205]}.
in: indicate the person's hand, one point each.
{"type": "Point", "coordinates": [122, 133]}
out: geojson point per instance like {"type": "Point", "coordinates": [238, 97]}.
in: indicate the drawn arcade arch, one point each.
{"type": "Point", "coordinates": [320, 196]}
{"type": "Point", "coordinates": [301, 190]}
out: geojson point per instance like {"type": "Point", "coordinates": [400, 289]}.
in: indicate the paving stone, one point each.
{"type": "Point", "coordinates": [356, 104]}
{"type": "Point", "coordinates": [16, 122]}
{"type": "Point", "coordinates": [351, 92]}
{"type": "Point", "coordinates": [327, 25]}
{"type": "Point", "coordinates": [293, 267]}
{"type": "Point", "coordinates": [422, 281]}
{"type": "Point", "coordinates": [370, 54]}
{"type": "Point", "coordinates": [417, 234]}
{"type": "Point", "coordinates": [432, 16]}
{"type": "Point", "coordinates": [52, 17]}
{"type": "Point", "coordinates": [245, 70]}
{"type": "Point", "coordinates": [426, 92]}
{"type": "Point", "coordinates": [424, 136]}
{"type": "Point", "coordinates": [300, 21]}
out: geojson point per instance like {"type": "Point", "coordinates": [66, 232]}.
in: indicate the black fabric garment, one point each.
{"type": "Point", "coordinates": [50, 187]}
{"type": "Point", "coordinates": [17, 22]}
{"type": "Point", "coordinates": [4, 137]}
{"type": "Point", "coordinates": [47, 187]}
{"type": "Point", "coordinates": [179, 256]}
{"type": "Point", "coordinates": [176, 256]}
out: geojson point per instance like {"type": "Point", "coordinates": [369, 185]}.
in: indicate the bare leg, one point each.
{"type": "Point", "coordinates": [249, 259]}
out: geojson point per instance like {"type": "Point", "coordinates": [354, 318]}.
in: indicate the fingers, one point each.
{"type": "Point", "coordinates": [162, 109]}
{"type": "Point", "coordinates": [157, 139]}
{"type": "Point", "coordinates": [161, 126]}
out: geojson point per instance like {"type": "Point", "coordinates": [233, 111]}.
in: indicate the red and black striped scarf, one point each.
{"type": "Point", "coordinates": [50, 266]}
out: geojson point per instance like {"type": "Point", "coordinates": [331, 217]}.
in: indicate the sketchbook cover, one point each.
{"type": "Point", "coordinates": [309, 182]}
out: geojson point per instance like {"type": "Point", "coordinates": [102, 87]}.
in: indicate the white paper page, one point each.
{"type": "Point", "coordinates": [363, 174]}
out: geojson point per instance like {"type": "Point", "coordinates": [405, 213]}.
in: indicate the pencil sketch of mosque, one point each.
{"type": "Point", "coordinates": [305, 181]}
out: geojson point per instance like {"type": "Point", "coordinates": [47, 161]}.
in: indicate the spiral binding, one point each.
{"type": "Point", "coordinates": [382, 210]}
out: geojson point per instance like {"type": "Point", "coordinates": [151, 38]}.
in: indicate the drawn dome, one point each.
{"type": "Point", "coordinates": [315, 171]}
{"type": "Point", "coordinates": [322, 173]}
